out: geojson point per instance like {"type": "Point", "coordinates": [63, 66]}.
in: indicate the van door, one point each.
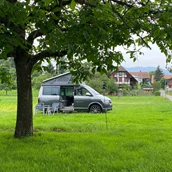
{"type": "Point", "coordinates": [66, 96]}
{"type": "Point", "coordinates": [82, 98]}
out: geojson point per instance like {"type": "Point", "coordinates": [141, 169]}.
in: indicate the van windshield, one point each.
{"type": "Point", "coordinates": [91, 90]}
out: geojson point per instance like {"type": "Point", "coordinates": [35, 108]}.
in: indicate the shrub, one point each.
{"type": "Point", "coordinates": [156, 86]}
{"type": "Point", "coordinates": [124, 91]}
{"type": "Point", "coordinates": [134, 92]}
{"type": "Point", "coordinates": [157, 93]}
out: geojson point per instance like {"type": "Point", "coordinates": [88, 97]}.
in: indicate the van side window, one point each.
{"type": "Point", "coordinates": [81, 91]}
{"type": "Point", "coordinates": [51, 90]}
{"type": "Point", "coordinates": [66, 91]}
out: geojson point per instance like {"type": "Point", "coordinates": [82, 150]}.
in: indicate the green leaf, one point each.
{"type": "Point", "coordinates": [73, 4]}
{"type": "Point", "coordinates": [57, 9]}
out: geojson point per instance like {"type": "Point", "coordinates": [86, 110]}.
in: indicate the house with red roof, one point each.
{"type": "Point", "coordinates": [168, 77]}
{"type": "Point", "coordinates": [142, 77]}
{"type": "Point", "coordinates": [122, 76]}
{"type": "Point", "coordinates": [169, 82]}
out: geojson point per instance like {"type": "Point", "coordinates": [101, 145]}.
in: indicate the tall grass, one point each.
{"type": "Point", "coordinates": [139, 138]}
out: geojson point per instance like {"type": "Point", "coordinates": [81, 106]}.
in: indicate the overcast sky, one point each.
{"type": "Point", "coordinates": [150, 58]}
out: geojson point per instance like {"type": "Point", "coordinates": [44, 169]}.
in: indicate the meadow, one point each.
{"type": "Point", "coordinates": [136, 136]}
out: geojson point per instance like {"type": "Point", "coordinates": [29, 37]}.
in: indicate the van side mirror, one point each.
{"type": "Point", "coordinates": [88, 94]}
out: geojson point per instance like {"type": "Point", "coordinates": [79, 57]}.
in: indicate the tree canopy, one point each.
{"type": "Point", "coordinates": [79, 30]}
{"type": "Point", "coordinates": [158, 74]}
{"type": "Point", "coordinates": [83, 29]}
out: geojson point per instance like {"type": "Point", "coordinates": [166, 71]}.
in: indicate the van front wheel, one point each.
{"type": "Point", "coordinates": [95, 109]}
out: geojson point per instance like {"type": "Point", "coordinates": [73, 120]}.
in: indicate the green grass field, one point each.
{"type": "Point", "coordinates": [137, 137]}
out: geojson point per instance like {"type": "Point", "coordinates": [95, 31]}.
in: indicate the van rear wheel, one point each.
{"type": "Point", "coordinates": [95, 109]}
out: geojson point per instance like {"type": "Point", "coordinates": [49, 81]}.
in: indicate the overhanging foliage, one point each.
{"type": "Point", "coordinates": [81, 30]}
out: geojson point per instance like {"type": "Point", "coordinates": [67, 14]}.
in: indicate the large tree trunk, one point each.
{"type": "Point", "coordinates": [24, 122]}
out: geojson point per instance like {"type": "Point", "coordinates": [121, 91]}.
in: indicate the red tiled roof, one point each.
{"type": "Point", "coordinates": [141, 74]}
{"type": "Point", "coordinates": [167, 76]}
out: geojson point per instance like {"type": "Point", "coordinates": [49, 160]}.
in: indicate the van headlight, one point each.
{"type": "Point", "coordinates": [108, 102]}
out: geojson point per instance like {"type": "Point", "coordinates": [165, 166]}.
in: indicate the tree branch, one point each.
{"type": "Point", "coordinates": [32, 36]}
{"type": "Point", "coordinates": [46, 54]}
{"type": "Point", "coordinates": [122, 19]}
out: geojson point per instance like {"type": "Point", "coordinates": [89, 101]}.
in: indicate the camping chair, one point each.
{"type": "Point", "coordinates": [55, 107]}
{"type": "Point", "coordinates": [47, 109]}
{"type": "Point", "coordinates": [38, 107]}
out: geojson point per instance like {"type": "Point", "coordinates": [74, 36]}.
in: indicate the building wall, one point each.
{"type": "Point", "coordinates": [122, 78]}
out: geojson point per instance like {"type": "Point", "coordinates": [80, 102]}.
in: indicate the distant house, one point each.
{"type": "Point", "coordinates": [169, 86]}
{"type": "Point", "coordinates": [168, 77]}
{"type": "Point", "coordinates": [123, 77]}
{"type": "Point", "coordinates": [169, 82]}
{"type": "Point", "coordinates": [142, 77]}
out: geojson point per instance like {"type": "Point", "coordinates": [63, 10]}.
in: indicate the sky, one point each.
{"type": "Point", "coordinates": [150, 58]}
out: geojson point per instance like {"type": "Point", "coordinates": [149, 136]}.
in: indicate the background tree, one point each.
{"type": "Point", "coordinates": [38, 80]}
{"type": "Point", "coordinates": [163, 83]}
{"type": "Point", "coordinates": [7, 75]}
{"type": "Point", "coordinates": [49, 68]}
{"type": "Point", "coordinates": [34, 30]}
{"type": "Point", "coordinates": [99, 82]}
{"type": "Point", "coordinates": [61, 67]}
{"type": "Point", "coordinates": [45, 72]}
{"type": "Point", "coordinates": [158, 74]}
{"type": "Point", "coordinates": [112, 86]}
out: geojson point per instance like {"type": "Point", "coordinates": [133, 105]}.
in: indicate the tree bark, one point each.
{"type": "Point", "coordinates": [24, 122]}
